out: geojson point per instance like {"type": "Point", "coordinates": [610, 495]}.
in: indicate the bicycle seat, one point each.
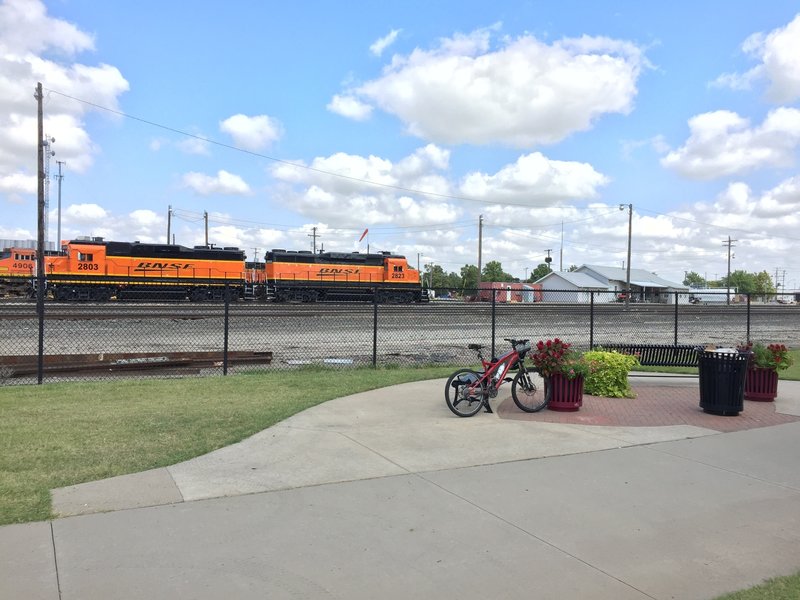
{"type": "Point", "coordinates": [475, 346]}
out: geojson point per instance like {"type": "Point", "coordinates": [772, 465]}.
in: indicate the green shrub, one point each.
{"type": "Point", "coordinates": [609, 374]}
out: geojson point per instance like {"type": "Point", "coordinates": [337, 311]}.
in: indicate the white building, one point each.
{"type": "Point", "coordinates": [578, 285]}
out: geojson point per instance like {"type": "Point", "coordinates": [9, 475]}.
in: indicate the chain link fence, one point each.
{"type": "Point", "coordinates": [94, 341]}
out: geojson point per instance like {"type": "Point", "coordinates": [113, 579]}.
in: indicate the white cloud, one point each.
{"type": "Point", "coordinates": [378, 46]}
{"type": "Point", "coordinates": [523, 93]}
{"type": "Point", "coordinates": [85, 213]}
{"type": "Point", "coordinates": [350, 107]}
{"type": "Point", "coordinates": [722, 143]}
{"type": "Point", "coordinates": [22, 44]}
{"type": "Point", "coordinates": [339, 201]}
{"type": "Point", "coordinates": [780, 202]}
{"type": "Point", "coordinates": [252, 133]}
{"type": "Point", "coordinates": [23, 21]}
{"type": "Point", "coordinates": [535, 179]}
{"type": "Point", "coordinates": [18, 183]}
{"type": "Point", "coordinates": [226, 184]}
{"type": "Point", "coordinates": [779, 56]}
{"type": "Point", "coordinates": [194, 146]}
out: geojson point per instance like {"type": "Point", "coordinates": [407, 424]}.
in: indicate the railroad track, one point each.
{"type": "Point", "coordinates": [16, 309]}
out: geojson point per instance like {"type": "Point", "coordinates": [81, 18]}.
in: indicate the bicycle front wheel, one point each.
{"type": "Point", "coordinates": [465, 393]}
{"type": "Point", "coordinates": [527, 395]}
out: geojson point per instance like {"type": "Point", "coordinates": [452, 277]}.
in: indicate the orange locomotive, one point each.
{"type": "Point", "coordinates": [17, 271]}
{"type": "Point", "coordinates": [309, 277]}
{"type": "Point", "coordinates": [92, 269]}
{"type": "Point", "coordinates": [96, 270]}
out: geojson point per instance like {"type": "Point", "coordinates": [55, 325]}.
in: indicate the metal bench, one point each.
{"type": "Point", "coordinates": [657, 355]}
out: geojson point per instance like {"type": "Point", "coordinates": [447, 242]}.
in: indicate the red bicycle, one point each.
{"type": "Point", "coordinates": [467, 391]}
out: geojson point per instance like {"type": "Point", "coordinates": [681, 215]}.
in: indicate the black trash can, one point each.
{"type": "Point", "coordinates": [722, 377]}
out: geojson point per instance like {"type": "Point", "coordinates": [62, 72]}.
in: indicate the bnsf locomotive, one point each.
{"type": "Point", "coordinates": [310, 277]}
{"type": "Point", "coordinates": [17, 268]}
{"type": "Point", "coordinates": [98, 270]}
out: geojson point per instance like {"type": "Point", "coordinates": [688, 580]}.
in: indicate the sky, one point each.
{"type": "Point", "coordinates": [300, 125]}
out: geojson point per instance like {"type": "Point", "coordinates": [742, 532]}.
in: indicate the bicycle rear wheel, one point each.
{"type": "Point", "coordinates": [464, 392]}
{"type": "Point", "coordinates": [527, 395]}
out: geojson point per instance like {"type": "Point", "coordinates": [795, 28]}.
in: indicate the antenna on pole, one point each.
{"type": "Point", "coordinates": [313, 235]}
{"type": "Point", "coordinates": [48, 152]}
{"type": "Point", "coordinates": [60, 176]}
{"type": "Point", "coordinates": [730, 245]}
{"type": "Point", "coordinates": [480, 249]}
{"type": "Point", "coordinates": [205, 218]}
{"type": "Point", "coordinates": [169, 223]}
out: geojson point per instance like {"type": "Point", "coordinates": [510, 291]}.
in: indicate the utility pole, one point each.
{"type": "Point", "coordinates": [561, 254]}
{"type": "Point", "coordinates": [60, 177]}
{"type": "Point", "coordinates": [548, 259]}
{"type": "Point", "coordinates": [480, 249]}
{"type": "Point", "coordinates": [169, 223]}
{"type": "Point", "coordinates": [730, 245]}
{"type": "Point", "coordinates": [628, 262]}
{"type": "Point", "coordinates": [40, 229]}
{"type": "Point", "coordinates": [205, 218]}
{"type": "Point", "coordinates": [313, 235]}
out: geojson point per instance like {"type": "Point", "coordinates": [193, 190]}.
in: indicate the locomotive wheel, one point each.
{"type": "Point", "coordinates": [197, 295]}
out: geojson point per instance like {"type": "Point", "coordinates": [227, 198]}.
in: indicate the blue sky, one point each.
{"type": "Point", "coordinates": [412, 119]}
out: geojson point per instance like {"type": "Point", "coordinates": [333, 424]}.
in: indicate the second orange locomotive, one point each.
{"type": "Point", "coordinates": [93, 269]}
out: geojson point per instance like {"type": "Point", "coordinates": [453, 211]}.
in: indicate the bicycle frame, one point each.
{"type": "Point", "coordinates": [468, 390]}
{"type": "Point", "coordinates": [491, 377]}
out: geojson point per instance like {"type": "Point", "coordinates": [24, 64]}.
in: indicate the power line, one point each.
{"type": "Point", "coordinates": [288, 162]}
{"type": "Point", "coordinates": [725, 227]}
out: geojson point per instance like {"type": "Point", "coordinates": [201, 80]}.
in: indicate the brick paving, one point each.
{"type": "Point", "coordinates": [653, 406]}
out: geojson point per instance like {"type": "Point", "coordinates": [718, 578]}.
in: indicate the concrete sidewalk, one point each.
{"type": "Point", "coordinates": [387, 494]}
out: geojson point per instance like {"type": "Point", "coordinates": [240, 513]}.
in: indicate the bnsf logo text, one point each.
{"type": "Point", "coordinates": [328, 270]}
{"type": "Point", "coordinates": [163, 265]}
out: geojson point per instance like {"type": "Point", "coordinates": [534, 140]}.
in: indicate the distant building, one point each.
{"type": "Point", "coordinates": [25, 244]}
{"type": "Point", "coordinates": [578, 285]}
{"type": "Point", "coordinates": [569, 286]}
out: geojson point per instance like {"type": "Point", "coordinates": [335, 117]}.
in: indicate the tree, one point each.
{"type": "Point", "coordinates": [469, 277]}
{"type": "Point", "coordinates": [435, 277]}
{"type": "Point", "coordinates": [572, 268]}
{"type": "Point", "coordinates": [540, 271]}
{"type": "Point", "coordinates": [763, 284]}
{"type": "Point", "coordinates": [692, 279]}
{"type": "Point", "coordinates": [493, 271]}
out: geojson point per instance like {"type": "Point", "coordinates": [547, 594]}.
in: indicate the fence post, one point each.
{"type": "Point", "coordinates": [676, 319]}
{"type": "Point", "coordinates": [40, 293]}
{"type": "Point", "coordinates": [375, 327]}
{"type": "Point", "coordinates": [591, 319]}
{"type": "Point", "coordinates": [225, 334]}
{"type": "Point", "coordinates": [494, 312]}
{"type": "Point", "coordinates": [747, 338]}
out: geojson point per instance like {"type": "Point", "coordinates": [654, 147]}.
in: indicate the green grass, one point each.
{"type": "Point", "coordinates": [62, 434]}
{"type": "Point", "coordinates": [780, 588]}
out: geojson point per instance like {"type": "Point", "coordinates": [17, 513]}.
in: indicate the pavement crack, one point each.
{"type": "Point", "coordinates": [55, 559]}
{"type": "Point", "coordinates": [724, 469]}
{"type": "Point", "coordinates": [375, 452]}
{"type": "Point", "coordinates": [534, 536]}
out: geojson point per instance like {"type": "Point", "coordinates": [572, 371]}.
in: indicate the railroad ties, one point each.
{"type": "Point", "coordinates": [128, 363]}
